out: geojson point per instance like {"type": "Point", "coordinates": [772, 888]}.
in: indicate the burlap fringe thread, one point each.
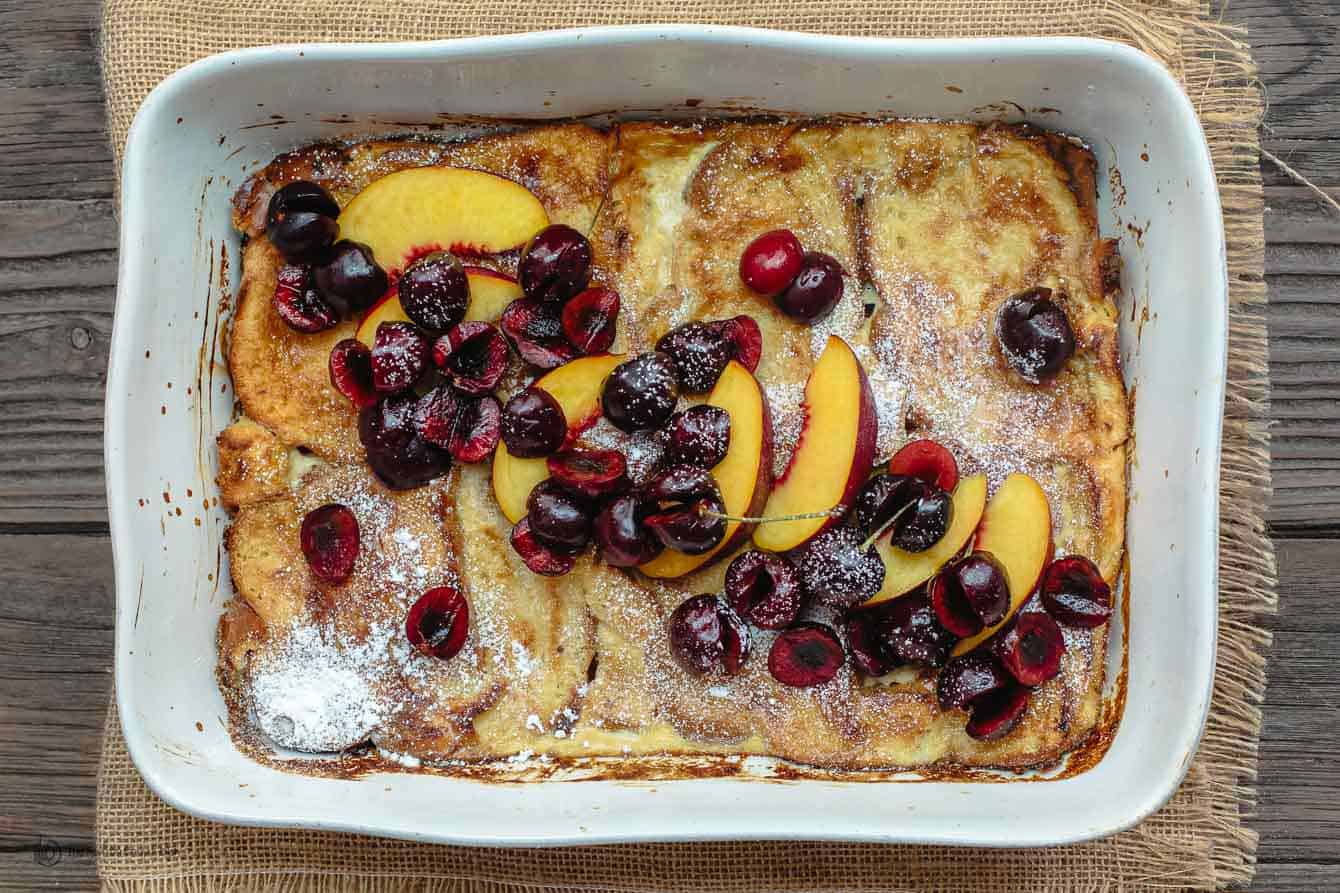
{"type": "Point", "coordinates": [1213, 61]}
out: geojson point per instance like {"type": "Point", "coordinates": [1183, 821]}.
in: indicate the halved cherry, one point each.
{"type": "Point", "coordinates": [693, 528]}
{"type": "Point", "coordinates": [538, 557]}
{"type": "Point", "coordinates": [700, 435]}
{"type": "Point", "coordinates": [967, 679]}
{"type": "Point", "coordinates": [620, 535]}
{"type": "Point", "coordinates": [1075, 593]}
{"type": "Point", "coordinates": [298, 303]}
{"type": "Point", "coordinates": [399, 356]}
{"type": "Point", "coordinates": [706, 634]}
{"type": "Point", "coordinates": [473, 356]}
{"type": "Point", "coordinates": [478, 428]}
{"type": "Point", "coordinates": [329, 541]}
{"type": "Point", "coordinates": [745, 338]}
{"type": "Point", "coordinates": [699, 353]}
{"type": "Point", "coordinates": [589, 320]}
{"type": "Point", "coordinates": [913, 632]}
{"type": "Point", "coordinates": [806, 654]}
{"type": "Point", "coordinates": [764, 589]}
{"type": "Point", "coordinates": [1031, 648]}
{"type": "Point", "coordinates": [351, 372]}
{"type": "Point", "coordinates": [970, 594]}
{"type": "Point", "coordinates": [438, 622]}
{"type": "Point", "coordinates": [735, 642]}
{"type": "Point", "coordinates": [929, 461]}
{"type": "Point", "coordinates": [995, 715]}
{"type": "Point", "coordinates": [592, 473]}
{"type": "Point", "coordinates": [535, 329]}
{"type": "Point", "coordinates": [435, 416]}
{"type": "Point", "coordinates": [869, 653]}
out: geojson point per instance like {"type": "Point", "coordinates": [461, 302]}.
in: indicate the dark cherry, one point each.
{"type": "Point", "coordinates": [395, 451]}
{"type": "Point", "coordinates": [806, 654]}
{"type": "Point", "coordinates": [349, 278]}
{"type": "Point", "coordinates": [700, 435]}
{"type": "Point", "coordinates": [771, 262]}
{"type": "Point", "coordinates": [434, 291]}
{"type": "Point", "coordinates": [555, 264]}
{"type": "Point", "coordinates": [1034, 334]}
{"type": "Point", "coordinates": [438, 622]}
{"type": "Point", "coordinates": [536, 331]}
{"type": "Point", "coordinates": [699, 353]}
{"type": "Point", "coordinates": [691, 529]}
{"type": "Point", "coordinates": [537, 556]}
{"type": "Point", "coordinates": [592, 474]}
{"type": "Point", "coordinates": [681, 484]}
{"type": "Point", "coordinates": [299, 304]}
{"type": "Point", "coordinates": [913, 633]}
{"type": "Point", "coordinates": [435, 416]}
{"type": "Point", "coordinates": [1031, 648]}
{"type": "Point", "coordinates": [970, 594]}
{"type": "Point", "coordinates": [706, 635]}
{"type": "Point", "coordinates": [1075, 593]}
{"type": "Point", "coordinates": [744, 337]}
{"type": "Point", "coordinates": [764, 589]}
{"type": "Point", "coordinates": [928, 461]}
{"type": "Point", "coordinates": [925, 523]}
{"type": "Point", "coordinates": [589, 320]}
{"type": "Point", "coordinates": [967, 678]}
{"type": "Point", "coordinates": [303, 237]}
{"type": "Point", "coordinates": [559, 518]}
{"type": "Point", "coordinates": [533, 424]}
{"type": "Point", "coordinates": [473, 357]}
{"type": "Point", "coordinates": [879, 499]}
{"type": "Point", "coordinates": [836, 570]}
{"type": "Point", "coordinates": [300, 195]}
{"type": "Point", "coordinates": [816, 290]}
{"type": "Point", "coordinates": [620, 535]}
{"type": "Point", "coordinates": [399, 356]}
{"type": "Point", "coordinates": [869, 653]}
{"type": "Point", "coordinates": [995, 715]}
{"type": "Point", "coordinates": [351, 372]}
{"type": "Point", "coordinates": [329, 541]}
{"type": "Point", "coordinates": [478, 428]}
{"type": "Point", "coordinates": [641, 393]}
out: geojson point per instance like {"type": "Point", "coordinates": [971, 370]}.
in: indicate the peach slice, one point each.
{"type": "Point", "coordinates": [744, 475]}
{"type": "Point", "coordinates": [411, 212]}
{"type": "Point", "coordinates": [576, 386]}
{"type": "Point", "coordinates": [490, 293]}
{"type": "Point", "coordinates": [1017, 529]}
{"type": "Point", "coordinates": [905, 571]}
{"type": "Point", "coordinates": [834, 454]}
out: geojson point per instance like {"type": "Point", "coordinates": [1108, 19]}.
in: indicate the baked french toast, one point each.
{"type": "Point", "coordinates": [878, 416]}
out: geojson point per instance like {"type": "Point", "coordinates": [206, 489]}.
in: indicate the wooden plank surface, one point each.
{"type": "Point", "coordinates": [57, 279]}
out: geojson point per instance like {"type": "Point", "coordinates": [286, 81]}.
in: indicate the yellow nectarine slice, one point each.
{"type": "Point", "coordinates": [744, 476]}
{"type": "Point", "coordinates": [1017, 529]}
{"type": "Point", "coordinates": [576, 386]}
{"type": "Point", "coordinates": [490, 293]}
{"type": "Point", "coordinates": [408, 213]}
{"type": "Point", "coordinates": [833, 456]}
{"type": "Point", "coordinates": [904, 571]}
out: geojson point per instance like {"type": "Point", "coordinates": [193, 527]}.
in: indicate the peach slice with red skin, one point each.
{"type": "Point", "coordinates": [576, 386]}
{"type": "Point", "coordinates": [833, 457]}
{"type": "Point", "coordinates": [1016, 529]}
{"type": "Point", "coordinates": [744, 475]}
{"type": "Point", "coordinates": [455, 209]}
{"type": "Point", "coordinates": [490, 293]}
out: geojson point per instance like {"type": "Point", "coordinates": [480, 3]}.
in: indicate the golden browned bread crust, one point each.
{"type": "Point", "coordinates": [939, 222]}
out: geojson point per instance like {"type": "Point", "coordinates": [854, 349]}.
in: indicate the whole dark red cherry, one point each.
{"type": "Point", "coordinates": [533, 424]}
{"type": "Point", "coordinates": [1034, 334]}
{"type": "Point", "coordinates": [970, 594]}
{"type": "Point", "coordinates": [434, 292]}
{"type": "Point", "coordinates": [924, 524]}
{"type": "Point", "coordinates": [329, 541]}
{"type": "Point", "coordinates": [879, 500]}
{"type": "Point", "coordinates": [438, 623]}
{"type": "Point", "coordinates": [705, 635]}
{"type": "Point", "coordinates": [300, 195]}
{"type": "Point", "coordinates": [913, 633]}
{"type": "Point", "coordinates": [699, 353]}
{"type": "Point", "coordinates": [620, 535]}
{"type": "Point", "coordinates": [996, 714]}
{"type": "Point", "coordinates": [558, 518]}
{"type": "Point", "coordinates": [400, 354]}
{"type": "Point", "coordinates": [349, 278]}
{"type": "Point", "coordinates": [590, 320]}
{"type": "Point", "coordinates": [806, 654]}
{"type": "Point", "coordinates": [555, 265]}
{"type": "Point", "coordinates": [682, 503]}
{"type": "Point", "coordinates": [700, 435]}
{"type": "Point", "coordinates": [771, 262]}
{"type": "Point", "coordinates": [764, 589]}
{"type": "Point", "coordinates": [836, 570]}
{"type": "Point", "coordinates": [968, 678]}
{"type": "Point", "coordinates": [1075, 593]}
{"type": "Point", "coordinates": [397, 454]}
{"type": "Point", "coordinates": [640, 394]}
{"type": "Point", "coordinates": [473, 357]}
{"type": "Point", "coordinates": [303, 237]}
{"type": "Point", "coordinates": [869, 653]}
{"type": "Point", "coordinates": [299, 304]}
{"type": "Point", "coordinates": [816, 290]}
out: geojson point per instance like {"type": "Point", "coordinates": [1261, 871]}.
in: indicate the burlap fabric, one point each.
{"type": "Point", "coordinates": [1197, 841]}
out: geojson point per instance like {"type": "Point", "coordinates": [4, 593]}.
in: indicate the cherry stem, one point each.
{"type": "Point", "coordinates": [870, 541]}
{"type": "Point", "coordinates": [745, 519]}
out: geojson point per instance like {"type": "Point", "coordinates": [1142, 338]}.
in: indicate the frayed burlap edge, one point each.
{"type": "Point", "coordinates": [1197, 842]}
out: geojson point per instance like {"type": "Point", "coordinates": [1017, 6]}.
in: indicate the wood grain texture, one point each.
{"type": "Point", "coordinates": [57, 288]}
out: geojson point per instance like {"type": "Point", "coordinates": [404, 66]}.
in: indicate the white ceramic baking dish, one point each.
{"type": "Point", "coordinates": [206, 127]}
